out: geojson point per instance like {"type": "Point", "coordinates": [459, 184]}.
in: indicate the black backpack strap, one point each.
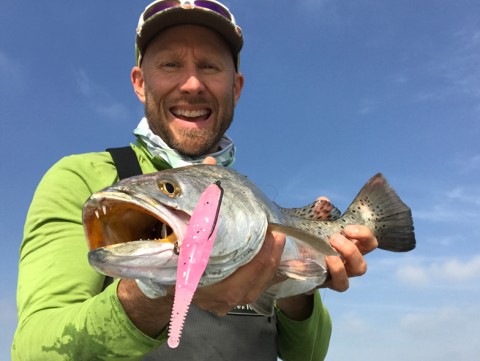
{"type": "Point", "coordinates": [125, 161]}
{"type": "Point", "coordinates": [127, 165]}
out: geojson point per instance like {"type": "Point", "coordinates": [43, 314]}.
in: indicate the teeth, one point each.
{"type": "Point", "coordinates": [104, 210]}
{"type": "Point", "coordinates": [190, 113]}
{"type": "Point", "coordinates": [163, 232]}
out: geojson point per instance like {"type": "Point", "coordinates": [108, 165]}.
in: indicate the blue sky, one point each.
{"type": "Point", "coordinates": [335, 92]}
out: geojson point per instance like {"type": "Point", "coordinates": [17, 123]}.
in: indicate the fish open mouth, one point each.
{"type": "Point", "coordinates": [111, 218]}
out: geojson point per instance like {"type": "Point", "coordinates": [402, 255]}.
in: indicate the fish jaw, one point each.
{"type": "Point", "coordinates": [121, 234]}
{"type": "Point", "coordinates": [141, 260]}
{"type": "Point", "coordinates": [114, 217]}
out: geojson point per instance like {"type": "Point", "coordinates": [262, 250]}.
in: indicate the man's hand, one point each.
{"type": "Point", "coordinates": [355, 242]}
{"type": "Point", "coordinates": [247, 283]}
{"type": "Point", "coordinates": [150, 316]}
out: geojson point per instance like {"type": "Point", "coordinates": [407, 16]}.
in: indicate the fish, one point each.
{"type": "Point", "coordinates": [134, 229]}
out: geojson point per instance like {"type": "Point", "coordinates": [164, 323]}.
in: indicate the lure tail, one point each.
{"type": "Point", "coordinates": [194, 255]}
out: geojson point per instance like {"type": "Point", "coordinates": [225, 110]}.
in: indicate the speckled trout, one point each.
{"type": "Point", "coordinates": [135, 227]}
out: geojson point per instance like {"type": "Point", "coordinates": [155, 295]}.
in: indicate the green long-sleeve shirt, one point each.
{"type": "Point", "coordinates": [63, 312]}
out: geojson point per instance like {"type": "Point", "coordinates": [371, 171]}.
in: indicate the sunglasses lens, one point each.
{"type": "Point", "coordinates": [158, 7]}
{"type": "Point", "coordinates": [214, 7]}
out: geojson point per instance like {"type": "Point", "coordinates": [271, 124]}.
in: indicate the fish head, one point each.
{"type": "Point", "coordinates": [133, 227]}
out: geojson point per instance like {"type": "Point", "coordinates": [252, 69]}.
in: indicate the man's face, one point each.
{"type": "Point", "coordinates": [189, 86]}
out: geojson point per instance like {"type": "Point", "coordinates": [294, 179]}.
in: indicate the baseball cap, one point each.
{"type": "Point", "coordinates": [162, 14]}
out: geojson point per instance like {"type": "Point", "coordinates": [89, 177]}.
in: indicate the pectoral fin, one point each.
{"type": "Point", "coordinates": [301, 269]}
{"type": "Point", "coordinates": [264, 305]}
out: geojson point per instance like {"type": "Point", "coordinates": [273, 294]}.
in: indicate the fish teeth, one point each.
{"type": "Point", "coordinates": [103, 209]}
{"type": "Point", "coordinates": [163, 232]}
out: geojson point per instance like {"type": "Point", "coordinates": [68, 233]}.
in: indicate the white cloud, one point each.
{"type": "Point", "coordinates": [466, 195]}
{"type": "Point", "coordinates": [413, 275]}
{"type": "Point", "coordinates": [352, 323]}
{"type": "Point", "coordinates": [447, 213]}
{"type": "Point", "coordinates": [456, 67]}
{"type": "Point", "coordinates": [13, 75]}
{"type": "Point", "coordinates": [432, 333]}
{"type": "Point", "coordinates": [102, 102]}
{"type": "Point", "coordinates": [441, 273]}
{"type": "Point", "coordinates": [399, 78]}
{"type": "Point", "coordinates": [83, 83]}
{"type": "Point", "coordinates": [471, 164]}
{"type": "Point", "coordinates": [367, 106]}
{"type": "Point", "coordinates": [445, 333]}
{"type": "Point", "coordinates": [458, 205]}
{"type": "Point", "coordinates": [112, 111]}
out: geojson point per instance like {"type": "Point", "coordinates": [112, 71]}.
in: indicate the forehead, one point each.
{"type": "Point", "coordinates": [182, 37]}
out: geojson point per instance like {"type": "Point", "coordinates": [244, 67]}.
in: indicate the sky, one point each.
{"type": "Point", "coordinates": [335, 92]}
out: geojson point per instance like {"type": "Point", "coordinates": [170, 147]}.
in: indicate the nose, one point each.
{"type": "Point", "coordinates": [192, 84]}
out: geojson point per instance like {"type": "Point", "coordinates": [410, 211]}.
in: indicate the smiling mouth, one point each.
{"type": "Point", "coordinates": [191, 115]}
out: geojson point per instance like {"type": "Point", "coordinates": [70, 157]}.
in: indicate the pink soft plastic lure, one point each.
{"type": "Point", "coordinates": [193, 257]}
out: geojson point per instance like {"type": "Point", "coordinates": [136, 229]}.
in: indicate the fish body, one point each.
{"type": "Point", "coordinates": [133, 229]}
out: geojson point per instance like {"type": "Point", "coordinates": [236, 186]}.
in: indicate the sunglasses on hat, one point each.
{"type": "Point", "coordinates": [208, 5]}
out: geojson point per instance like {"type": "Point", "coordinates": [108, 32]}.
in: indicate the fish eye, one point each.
{"type": "Point", "coordinates": [170, 189]}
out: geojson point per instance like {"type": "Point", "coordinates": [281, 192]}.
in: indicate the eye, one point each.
{"type": "Point", "coordinates": [210, 67]}
{"type": "Point", "coordinates": [169, 188]}
{"type": "Point", "coordinates": [170, 65]}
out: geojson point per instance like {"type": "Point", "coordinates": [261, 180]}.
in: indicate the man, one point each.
{"type": "Point", "coordinates": [187, 77]}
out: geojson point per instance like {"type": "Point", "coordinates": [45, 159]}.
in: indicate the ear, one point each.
{"type": "Point", "coordinates": [138, 83]}
{"type": "Point", "coordinates": [237, 87]}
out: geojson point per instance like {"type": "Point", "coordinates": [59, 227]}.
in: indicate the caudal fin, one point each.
{"type": "Point", "coordinates": [382, 210]}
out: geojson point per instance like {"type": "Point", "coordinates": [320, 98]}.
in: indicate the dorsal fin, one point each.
{"type": "Point", "coordinates": [321, 209]}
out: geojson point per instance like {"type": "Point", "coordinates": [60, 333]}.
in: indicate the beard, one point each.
{"type": "Point", "coordinates": [189, 142]}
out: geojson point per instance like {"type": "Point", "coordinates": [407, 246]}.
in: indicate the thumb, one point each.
{"type": "Point", "coordinates": [210, 160]}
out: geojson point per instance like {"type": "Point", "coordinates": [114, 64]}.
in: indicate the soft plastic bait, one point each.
{"type": "Point", "coordinates": [194, 255]}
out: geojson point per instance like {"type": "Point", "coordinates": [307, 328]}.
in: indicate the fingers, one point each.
{"type": "Point", "coordinates": [349, 264]}
{"type": "Point", "coordinates": [362, 237]}
{"type": "Point", "coordinates": [247, 283]}
{"type": "Point", "coordinates": [351, 257]}
{"type": "Point", "coordinates": [352, 245]}
{"type": "Point", "coordinates": [338, 277]}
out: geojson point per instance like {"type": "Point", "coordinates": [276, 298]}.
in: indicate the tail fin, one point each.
{"type": "Point", "coordinates": [381, 209]}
